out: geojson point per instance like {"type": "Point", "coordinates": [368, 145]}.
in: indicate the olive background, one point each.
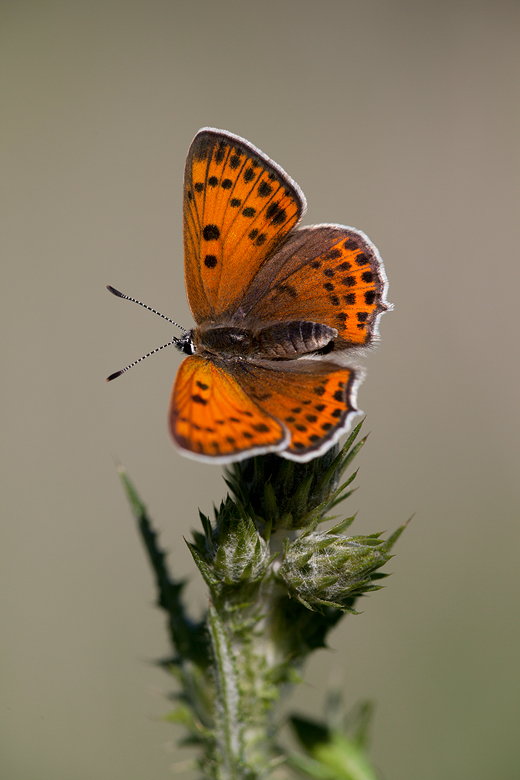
{"type": "Point", "coordinates": [397, 117]}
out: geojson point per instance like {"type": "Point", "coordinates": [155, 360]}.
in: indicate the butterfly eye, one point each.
{"type": "Point", "coordinates": [185, 343]}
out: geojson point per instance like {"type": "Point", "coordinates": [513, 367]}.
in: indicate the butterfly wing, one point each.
{"type": "Point", "coordinates": [226, 411]}
{"type": "Point", "coordinates": [314, 399]}
{"type": "Point", "coordinates": [245, 264]}
{"type": "Point", "coordinates": [324, 273]}
{"type": "Point", "coordinates": [239, 207]}
{"type": "Point", "coordinates": [212, 417]}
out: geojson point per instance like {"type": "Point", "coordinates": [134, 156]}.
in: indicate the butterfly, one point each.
{"type": "Point", "coordinates": [278, 310]}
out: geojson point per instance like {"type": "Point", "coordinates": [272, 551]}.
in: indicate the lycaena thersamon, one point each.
{"type": "Point", "coordinates": [279, 312]}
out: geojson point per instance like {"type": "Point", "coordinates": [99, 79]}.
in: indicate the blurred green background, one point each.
{"type": "Point", "coordinates": [400, 118]}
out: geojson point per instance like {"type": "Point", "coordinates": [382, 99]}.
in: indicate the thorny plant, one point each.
{"type": "Point", "coordinates": [277, 585]}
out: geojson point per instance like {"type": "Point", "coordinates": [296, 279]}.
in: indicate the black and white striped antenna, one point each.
{"type": "Point", "coordinates": [169, 344]}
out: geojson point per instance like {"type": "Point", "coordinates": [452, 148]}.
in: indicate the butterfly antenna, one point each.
{"type": "Point", "coordinates": [169, 344]}
{"type": "Point", "coordinates": [118, 373]}
{"type": "Point", "coordinates": [127, 297]}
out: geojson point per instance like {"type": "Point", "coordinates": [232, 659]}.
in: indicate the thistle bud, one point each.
{"type": "Point", "coordinates": [242, 554]}
{"type": "Point", "coordinates": [231, 552]}
{"type": "Point", "coordinates": [287, 495]}
{"type": "Point", "coordinates": [326, 569]}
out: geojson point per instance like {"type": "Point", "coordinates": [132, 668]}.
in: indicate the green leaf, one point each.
{"type": "Point", "coordinates": [188, 638]}
{"type": "Point", "coordinates": [396, 534]}
{"type": "Point", "coordinates": [183, 716]}
{"type": "Point", "coordinates": [206, 571]}
{"type": "Point", "coordinates": [335, 756]}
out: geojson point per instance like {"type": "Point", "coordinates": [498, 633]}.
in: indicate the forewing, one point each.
{"type": "Point", "coordinates": [212, 417]}
{"type": "Point", "coordinates": [239, 207]}
{"type": "Point", "coordinates": [325, 273]}
{"type": "Point", "coordinates": [314, 399]}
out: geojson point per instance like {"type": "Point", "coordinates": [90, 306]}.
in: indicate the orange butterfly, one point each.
{"type": "Point", "coordinates": [276, 310]}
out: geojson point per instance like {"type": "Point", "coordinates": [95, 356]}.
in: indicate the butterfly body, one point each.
{"type": "Point", "coordinates": [277, 310]}
{"type": "Point", "coordinates": [280, 340]}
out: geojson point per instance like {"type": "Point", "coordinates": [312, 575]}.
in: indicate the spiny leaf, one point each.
{"type": "Point", "coordinates": [187, 637]}
{"type": "Point", "coordinates": [205, 570]}
{"type": "Point", "coordinates": [392, 539]}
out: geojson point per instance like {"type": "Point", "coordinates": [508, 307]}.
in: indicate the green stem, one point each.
{"type": "Point", "coordinates": [228, 730]}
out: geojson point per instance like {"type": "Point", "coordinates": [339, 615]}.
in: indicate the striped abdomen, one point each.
{"type": "Point", "coordinates": [296, 337]}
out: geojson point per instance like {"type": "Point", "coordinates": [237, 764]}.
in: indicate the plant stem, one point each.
{"type": "Point", "coordinates": [270, 606]}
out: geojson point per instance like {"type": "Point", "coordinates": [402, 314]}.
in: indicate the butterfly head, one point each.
{"type": "Point", "coordinates": [185, 343]}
